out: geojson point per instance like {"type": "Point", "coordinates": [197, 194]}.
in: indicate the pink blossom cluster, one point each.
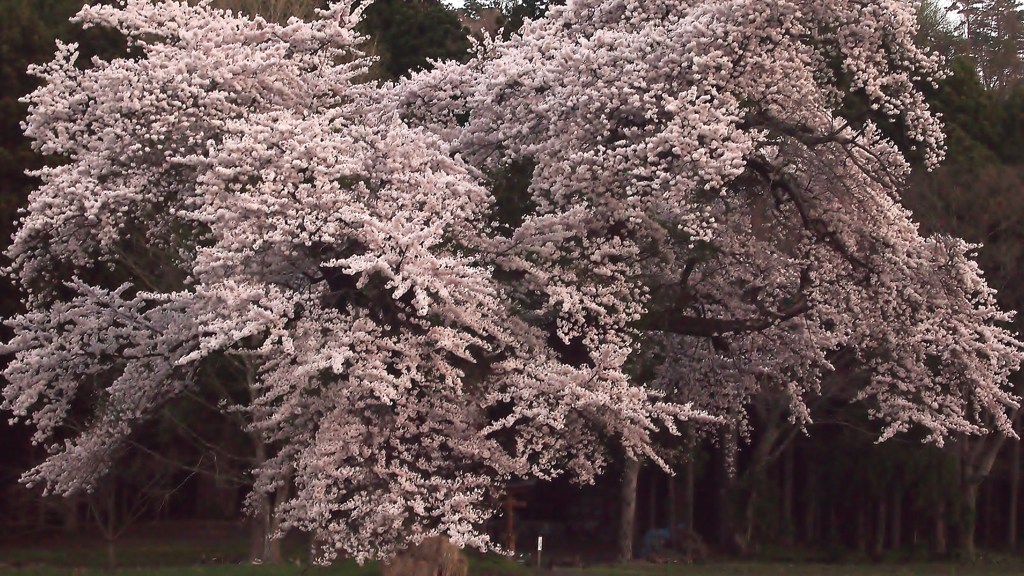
{"type": "Point", "coordinates": [707, 219]}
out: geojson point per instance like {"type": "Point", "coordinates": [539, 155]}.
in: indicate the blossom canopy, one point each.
{"type": "Point", "coordinates": [713, 209]}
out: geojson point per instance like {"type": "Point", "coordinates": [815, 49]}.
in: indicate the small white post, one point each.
{"type": "Point", "coordinates": [540, 547]}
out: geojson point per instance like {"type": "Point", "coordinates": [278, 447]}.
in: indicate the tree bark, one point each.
{"type": "Point", "coordinates": [939, 546]}
{"type": "Point", "coordinates": [273, 553]}
{"type": "Point", "coordinates": [259, 529]}
{"type": "Point", "coordinates": [749, 513]}
{"type": "Point", "coordinates": [862, 529]}
{"type": "Point", "coordinates": [787, 524]}
{"type": "Point", "coordinates": [40, 509]}
{"type": "Point", "coordinates": [988, 494]}
{"type": "Point", "coordinates": [652, 501]}
{"type": "Point", "coordinates": [968, 519]}
{"type": "Point", "coordinates": [690, 484]}
{"type": "Point", "coordinates": [673, 520]}
{"type": "Point", "coordinates": [111, 555]}
{"type": "Point", "coordinates": [727, 538]}
{"type": "Point", "coordinates": [435, 556]}
{"type": "Point", "coordinates": [976, 460]}
{"type": "Point", "coordinates": [769, 444]}
{"type": "Point", "coordinates": [315, 551]}
{"type": "Point", "coordinates": [111, 529]}
{"type": "Point", "coordinates": [880, 523]}
{"type": "Point", "coordinates": [811, 505]}
{"type": "Point", "coordinates": [263, 547]}
{"type": "Point", "coordinates": [1014, 498]}
{"type": "Point", "coordinates": [71, 517]}
{"type": "Point", "coordinates": [627, 516]}
{"type": "Point", "coordinates": [896, 530]}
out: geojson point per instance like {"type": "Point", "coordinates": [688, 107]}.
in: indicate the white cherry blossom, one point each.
{"type": "Point", "coordinates": [714, 209]}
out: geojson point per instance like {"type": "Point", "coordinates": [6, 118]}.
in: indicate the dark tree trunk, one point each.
{"type": "Point", "coordinates": [896, 530]}
{"type": "Point", "coordinates": [71, 517]}
{"type": "Point", "coordinates": [727, 537]}
{"type": "Point", "coordinates": [259, 529]}
{"type": "Point", "coordinates": [274, 554]}
{"type": "Point", "coordinates": [627, 516]}
{"type": "Point", "coordinates": [263, 547]}
{"type": "Point", "coordinates": [315, 551]}
{"type": "Point", "coordinates": [652, 500]}
{"type": "Point", "coordinates": [111, 555]}
{"type": "Point", "coordinates": [40, 509]}
{"type": "Point", "coordinates": [765, 450]}
{"type": "Point", "coordinates": [673, 520]}
{"type": "Point", "coordinates": [1014, 498]}
{"type": "Point", "coordinates": [880, 521]}
{"type": "Point", "coordinates": [111, 530]}
{"type": "Point", "coordinates": [788, 524]}
{"type": "Point", "coordinates": [939, 546]}
{"type": "Point", "coordinates": [988, 518]}
{"type": "Point", "coordinates": [750, 513]}
{"type": "Point", "coordinates": [690, 485]}
{"type": "Point", "coordinates": [862, 529]}
{"type": "Point", "coordinates": [977, 456]}
{"type": "Point", "coordinates": [810, 505]}
{"type": "Point", "coordinates": [434, 556]}
{"type": "Point", "coordinates": [968, 519]}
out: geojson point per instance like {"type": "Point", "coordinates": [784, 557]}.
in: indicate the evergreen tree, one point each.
{"type": "Point", "coordinates": [994, 32]}
{"type": "Point", "coordinates": [407, 34]}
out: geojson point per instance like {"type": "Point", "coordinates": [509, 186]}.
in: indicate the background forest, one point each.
{"type": "Point", "coordinates": [769, 489]}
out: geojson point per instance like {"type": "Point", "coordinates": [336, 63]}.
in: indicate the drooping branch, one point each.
{"type": "Point", "coordinates": [806, 135]}
{"type": "Point", "coordinates": [689, 325]}
{"type": "Point", "coordinates": [785, 188]}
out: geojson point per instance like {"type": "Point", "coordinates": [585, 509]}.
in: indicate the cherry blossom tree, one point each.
{"type": "Point", "coordinates": [713, 210]}
{"type": "Point", "coordinates": [230, 190]}
{"type": "Point", "coordinates": [749, 157]}
{"type": "Point", "coordinates": [732, 166]}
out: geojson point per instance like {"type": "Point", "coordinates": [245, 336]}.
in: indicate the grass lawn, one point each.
{"type": "Point", "coordinates": [786, 569]}
{"type": "Point", "coordinates": [189, 549]}
{"type": "Point", "coordinates": [211, 570]}
{"type": "Point", "coordinates": [220, 550]}
{"type": "Point", "coordinates": [478, 567]}
{"type": "Point", "coordinates": [496, 568]}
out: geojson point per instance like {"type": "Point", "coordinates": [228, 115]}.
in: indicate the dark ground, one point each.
{"type": "Point", "coordinates": [219, 549]}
